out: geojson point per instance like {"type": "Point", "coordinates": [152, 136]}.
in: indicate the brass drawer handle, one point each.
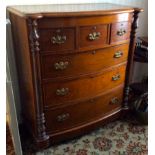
{"type": "Point", "coordinates": [118, 54]}
{"type": "Point", "coordinates": [121, 32]}
{"type": "Point", "coordinates": [61, 65]}
{"type": "Point", "coordinates": [59, 39]}
{"type": "Point", "coordinates": [114, 100]}
{"type": "Point", "coordinates": [62, 91]}
{"type": "Point", "coordinates": [94, 36]}
{"type": "Point", "coordinates": [63, 117]}
{"type": "Point", "coordinates": [116, 77]}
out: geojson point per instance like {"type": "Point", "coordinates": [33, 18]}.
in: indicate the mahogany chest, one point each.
{"type": "Point", "coordinates": [74, 66]}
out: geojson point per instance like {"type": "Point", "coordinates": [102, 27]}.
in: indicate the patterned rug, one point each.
{"type": "Point", "coordinates": [9, 144]}
{"type": "Point", "coordinates": [117, 138]}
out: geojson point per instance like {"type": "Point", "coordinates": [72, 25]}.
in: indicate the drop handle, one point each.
{"type": "Point", "coordinates": [121, 32]}
{"type": "Point", "coordinates": [63, 117]}
{"type": "Point", "coordinates": [118, 54]}
{"type": "Point", "coordinates": [114, 100]}
{"type": "Point", "coordinates": [94, 36]}
{"type": "Point", "coordinates": [58, 39]}
{"type": "Point", "coordinates": [61, 65]}
{"type": "Point", "coordinates": [62, 91]}
{"type": "Point", "coordinates": [116, 77]}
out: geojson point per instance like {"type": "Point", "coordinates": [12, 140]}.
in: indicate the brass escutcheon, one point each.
{"type": "Point", "coordinates": [58, 39]}
{"type": "Point", "coordinates": [63, 117]}
{"type": "Point", "coordinates": [94, 36]}
{"type": "Point", "coordinates": [116, 77]}
{"type": "Point", "coordinates": [114, 100]}
{"type": "Point", "coordinates": [118, 54]}
{"type": "Point", "coordinates": [62, 91]}
{"type": "Point", "coordinates": [121, 32]}
{"type": "Point", "coordinates": [61, 65]}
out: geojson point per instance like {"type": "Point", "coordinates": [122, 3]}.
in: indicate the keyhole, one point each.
{"type": "Point", "coordinates": [92, 100]}
{"type": "Point", "coordinates": [94, 27]}
{"type": "Point", "coordinates": [58, 30]}
{"type": "Point", "coordinates": [93, 52]}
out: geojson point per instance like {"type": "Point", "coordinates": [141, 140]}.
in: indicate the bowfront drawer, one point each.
{"type": "Point", "coordinates": [54, 66]}
{"type": "Point", "coordinates": [95, 35]}
{"type": "Point", "coordinates": [56, 93]}
{"type": "Point", "coordinates": [57, 39]}
{"type": "Point", "coordinates": [83, 112]}
{"type": "Point", "coordinates": [120, 31]}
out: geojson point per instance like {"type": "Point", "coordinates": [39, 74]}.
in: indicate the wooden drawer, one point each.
{"type": "Point", "coordinates": [84, 112]}
{"type": "Point", "coordinates": [120, 31]}
{"type": "Point", "coordinates": [93, 35]}
{"type": "Point", "coordinates": [57, 39]}
{"type": "Point", "coordinates": [45, 23]}
{"type": "Point", "coordinates": [56, 66]}
{"type": "Point", "coordinates": [56, 93]}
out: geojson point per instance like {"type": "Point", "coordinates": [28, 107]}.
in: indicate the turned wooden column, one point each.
{"type": "Point", "coordinates": [129, 71]}
{"type": "Point", "coordinates": [41, 138]}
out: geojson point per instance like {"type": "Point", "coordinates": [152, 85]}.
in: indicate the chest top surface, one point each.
{"type": "Point", "coordinates": [69, 9]}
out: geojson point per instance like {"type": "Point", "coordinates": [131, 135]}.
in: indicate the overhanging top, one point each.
{"type": "Point", "coordinates": [39, 11]}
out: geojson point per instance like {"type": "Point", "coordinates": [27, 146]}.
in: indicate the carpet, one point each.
{"type": "Point", "coordinates": [117, 138]}
{"type": "Point", "coordinates": [9, 143]}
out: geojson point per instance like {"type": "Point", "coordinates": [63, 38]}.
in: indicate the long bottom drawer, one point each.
{"type": "Point", "coordinates": [74, 115]}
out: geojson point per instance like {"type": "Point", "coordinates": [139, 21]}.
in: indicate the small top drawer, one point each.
{"type": "Point", "coordinates": [57, 39]}
{"type": "Point", "coordinates": [120, 31]}
{"type": "Point", "coordinates": [93, 36]}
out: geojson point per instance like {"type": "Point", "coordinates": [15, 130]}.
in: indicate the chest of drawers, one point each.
{"type": "Point", "coordinates": [74, 65]}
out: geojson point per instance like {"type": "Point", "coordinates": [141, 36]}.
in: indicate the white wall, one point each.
{"type": "Point", "coordinates": [12, 97]}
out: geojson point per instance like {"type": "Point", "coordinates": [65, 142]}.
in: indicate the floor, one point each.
{"type": "Point", "coordinates": [117, 138]}
{"type": "Point", "coordinates": [9, 143]}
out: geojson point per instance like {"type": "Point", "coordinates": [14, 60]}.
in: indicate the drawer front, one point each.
{"type": "Point", "coordinates": [54, 66]}
{"type": "Point", "coordinates": [93, 35]}
{"type": "Point", "coordinates": [120, 31]}
{"type": "Point", "coordinates": [74, 90]}
{"type": "Point", "coordinates": [74, 115]}
{"type": "Point", "coordinates": [57, 40]}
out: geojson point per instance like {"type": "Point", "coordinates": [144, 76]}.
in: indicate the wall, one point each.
{"type": "Point", "coordinates": [12, 98]}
